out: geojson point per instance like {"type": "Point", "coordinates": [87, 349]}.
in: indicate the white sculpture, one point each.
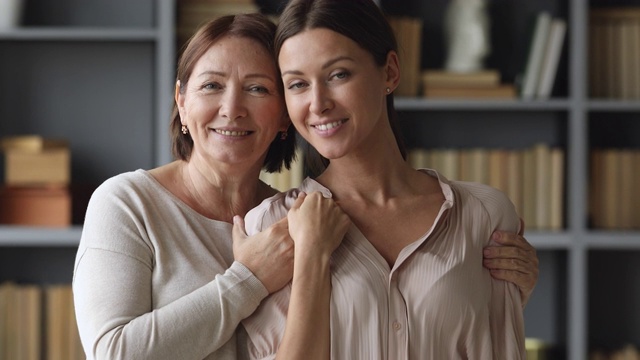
{"type": "Point", "coordinates": [467, 35]}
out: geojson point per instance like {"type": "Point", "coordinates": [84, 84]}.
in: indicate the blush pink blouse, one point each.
{"type": "Point", "coordinates": [437, 302]}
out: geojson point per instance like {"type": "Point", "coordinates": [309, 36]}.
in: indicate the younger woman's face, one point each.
{"type": "Point", "coordinates": [335, 92]}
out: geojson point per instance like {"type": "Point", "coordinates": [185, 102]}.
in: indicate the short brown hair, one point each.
{"type": "Point", "coordinates": [252, 26]}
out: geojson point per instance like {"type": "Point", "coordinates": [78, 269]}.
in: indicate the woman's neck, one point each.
{"type": "Point", "coordinates": [376, 175]}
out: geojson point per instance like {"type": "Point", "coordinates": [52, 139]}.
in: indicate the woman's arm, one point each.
{"type": "Point", "coordinates": [317, 226]}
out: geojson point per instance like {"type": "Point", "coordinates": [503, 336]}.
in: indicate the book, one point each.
{"type": "Point", "coordinates": [56, 323]}
{"type": "Point", "coordinates": [610, 189]}
{"type": "Point", "coordinates": [498, 162]}
{"type": "Point", "coordinates": [556, 189]}
{"type": "Point", "coordinates": [542, 171]}
{"type": "Point", "coordinates": [514, 179]}
{"type": "Point", "coordinates": [408, 32]}
{"type": "Point", "coordinates": [627, 188]}
{"type": "Point", "coordinates": [503, 91]}
{"type": "Point", "coordinates": [444, 78]}
{"type": "Point", "coordinates": [418, 158]}
{"type": "Point", "coordinates": [529, 190]}
{"type": "Point", "coordinates": [535, 55]}
{"type": "Point", "coordinates": [551, 58]}
{"type": "Point", "coordinates": [614, 50]}
{"type": "Point", "coordinates": [596, 191]}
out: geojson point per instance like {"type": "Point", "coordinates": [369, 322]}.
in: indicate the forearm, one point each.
{"type": "Point", "coordinates": [307, 334]}
{"type": "Point", "coordinates": [116, 318]}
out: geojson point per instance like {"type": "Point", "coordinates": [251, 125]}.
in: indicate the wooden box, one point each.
{"type": "Point", "coordinates": [32, 160]}
{"type": "Point", "coordinates": [35, 206]}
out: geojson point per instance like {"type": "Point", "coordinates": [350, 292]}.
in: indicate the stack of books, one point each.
{"type": "Point", "coordinates": [532, 178]}
{"type": "Point", "coordinates": [36, 185]}
{"type": "Point", "coordinates": [194, 13]}
{"type": "Point", "coordinates": [38, 322]}
{"type": "Point", "coordinates": [481, 84]}
{"type": "Point", "coordinates": [614, 194]}
{"type": "Point", "coordinates": [408, 32]}
{"type": "Point", "coordinates": [546, 44]}
{"type": "Point", "coordinates": [614, 53]}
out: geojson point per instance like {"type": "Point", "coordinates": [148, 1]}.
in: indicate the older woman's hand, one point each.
{"type": "Point", "coordinates": [513, 260]}
{"type": "Point", "coordinates": [268, 254]}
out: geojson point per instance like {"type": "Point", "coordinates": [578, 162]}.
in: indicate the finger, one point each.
{"type": "Point", "coordinates": [238, 232]}
{"type": "Point", "coordinates": [507, 252]}
{"type": "Point", "coordinates": [299, 200]}
{"type": "Point", "coordinates": [521, 231]}
{"type": "Point", "coordinates": [507, 264]}
{"type": "Point", "coordinates": [510, 239]}
{"type": "Point", "coordinates": [521, 280]}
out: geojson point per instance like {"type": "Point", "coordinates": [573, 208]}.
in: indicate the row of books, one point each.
{"type": "Point", "coordinates": [38, 322]}
{"type": "Point", "coordinates": [193, 13]}
{"type": "Point", "coordinates": [545, 48]}
{"type": "Point", "coordinates": [533, 178]}
{"type": "Point", "coordinates": [37, 175]}
{"type": "Point", "coordinates": [614, 53]}
{"type": "Point", "coordinates": [614, 193]}
{"type": "Point", "coordinates": [286, 179]}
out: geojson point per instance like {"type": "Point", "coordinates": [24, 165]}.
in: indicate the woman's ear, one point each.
{"type": "Point", "coordinates": [179, 99]}
{"type": "Point", "coordinates": [286, 121]}
{"type": "Point", "coordinates": [392, 71]}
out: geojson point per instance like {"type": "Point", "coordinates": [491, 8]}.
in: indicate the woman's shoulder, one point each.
{"type": "Point", "coordinates": [487, 199]}
{"type": "Point", "coordinates": [276, 207]}
{"type": "Point", "coordinates": [269, 211]}
{"type": "Point", "coordinates": [127, 185]}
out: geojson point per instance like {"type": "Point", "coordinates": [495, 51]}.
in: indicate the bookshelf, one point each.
{"type": "Point", "coordinates": [98, 73]}
{"type": "Point", "coordinates": [589, 286]}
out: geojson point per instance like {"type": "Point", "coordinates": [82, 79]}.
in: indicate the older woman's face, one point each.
{"type": "Point", "coordinates": [231, 104]}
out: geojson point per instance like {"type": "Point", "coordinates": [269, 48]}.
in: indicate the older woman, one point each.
{"type": "Point", "coordinates": [155, 276]}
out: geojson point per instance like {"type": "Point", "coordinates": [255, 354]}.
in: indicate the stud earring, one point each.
{"type": "Point", "coordinates": [388, 91]}
{"type": "Point", "coordinates": [283, 135]}
{"type": "Point", "coordinates": [185, 131]}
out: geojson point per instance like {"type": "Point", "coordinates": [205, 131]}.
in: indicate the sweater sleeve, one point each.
{"type": "Point", "coordinates": [113, 294]}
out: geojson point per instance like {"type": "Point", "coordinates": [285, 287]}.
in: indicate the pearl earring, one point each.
{"type": "Point", "coordinates": [388, 91]}
{"type": "Point", "coordinates": [185, 131]}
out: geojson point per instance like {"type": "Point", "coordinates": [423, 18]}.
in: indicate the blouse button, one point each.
{"type": "Point", "coordinates": [396, 325]}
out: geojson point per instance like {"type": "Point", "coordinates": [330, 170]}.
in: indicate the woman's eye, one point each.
{"type": "Point", "coordinates": [341, 75]}
{"type": "Point", "coordinates": [211, 86]}
{"type": "Point", "coordinates": [259, 89]}
{"type": "Point", "coordinates": [296, 85]}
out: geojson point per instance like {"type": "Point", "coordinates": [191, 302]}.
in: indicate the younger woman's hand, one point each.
{"type": "Point", "coordinates": [317, 223]}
